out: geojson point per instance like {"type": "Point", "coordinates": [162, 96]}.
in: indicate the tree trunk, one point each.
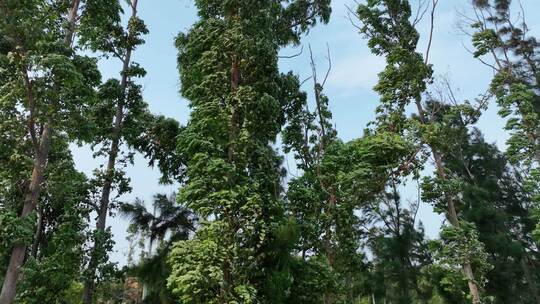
{"type": "Point", "coordinates": [450, 209]}
{"type": "Point", "coordinates": [451, 212]}
{"type": "Point", "coordinates": [9, 286]}
{"type": "Point", "coordinates": [331, 202]}
{"type": "Point", "coordinates": [329, 248]}
{"type": "Point", "coordinates": [454, 220]}
{"type": "Point", "coordinates": [39, 232]}
{"type": "Point", "coordinates": [101, 223]}
{"type": "Point", "coordinates": [41, 155]}
{"type": "Point", "coordinates": [233, 134]}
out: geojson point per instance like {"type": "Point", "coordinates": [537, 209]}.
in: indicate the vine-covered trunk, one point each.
{"type": "Point", "coordinates": [233, 134]}
{"type": "Point", "coordinates": [329, 248]}
{"type": "Point", "coordinates": [41, 155]}
{"type": "Point", "coordinates": [103, 208]}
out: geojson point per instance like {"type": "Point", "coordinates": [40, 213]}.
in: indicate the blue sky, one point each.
{"type": "Point", "coordinates": [349, 86]}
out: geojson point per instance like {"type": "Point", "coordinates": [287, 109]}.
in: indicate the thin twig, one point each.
{"type": "Point", "coordinates": [434, 6]}
{"type": "Point", "coordinates": [419, 12]}
{"type": "Point", "coordinates": [329, 65]}
{"type": "Point", "coordinates": [350, 12]}
{"type": "Point", "coordinates": [294, 55]}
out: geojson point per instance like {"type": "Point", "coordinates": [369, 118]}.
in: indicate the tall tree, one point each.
{"type": "Point", "coordinates": [57, 251]}
{"type": "Point", "coordinates": [58, 236]}
{"type": "Point", "coordinates": [502, 41]}
{"type": "Point", "coordinates": [47, 85]}
{"type": "Point", "coordinates": [392, 33]}
{"type": "Point", "coordinates": [118, 116]}
{"type": "Point", "coordinates": [337, 180]}
{"type": "Point", "coordinates": [491, 198]}
{"type": "Point", "coordinates": [503, 217]}
{"type": "Point", "coordinates": [240, 101]}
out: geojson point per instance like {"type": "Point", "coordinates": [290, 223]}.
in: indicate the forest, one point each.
{"type": "Point", "coordinates": [271, 204]}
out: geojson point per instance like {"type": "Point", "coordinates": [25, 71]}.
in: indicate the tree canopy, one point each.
{"type": "Point", "coordinates": [272, 203]}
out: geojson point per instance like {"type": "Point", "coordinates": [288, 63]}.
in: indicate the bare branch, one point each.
{"type": "Point", "coordinates": [480, 19]}
{"type": "Point", "coordinates": [434, 6]}
{"type": "Point", "coordinates": [350, 13]}
{"type": "Point", "coordinates": [305, 80]}
{"type": "Point", "coordinates": [523, 18]}
{"type": "Point", "coordinates": [448, 86]}
{"type": "Point", "coordinates": [329, 65]}
{"type": "Point", "coordinates": [479, 59]}
{"type": "Point", "coordinates": [420, 12]}
{"type": "Point", "coordinates": [294, 55]}
{"type": "Point", "coordinates": [312, 63]}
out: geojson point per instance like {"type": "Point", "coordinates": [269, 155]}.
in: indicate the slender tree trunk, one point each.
{"type": "Point", "coordinates": [101, 223]}
{"type": "Point", "coordinates": [328, 247]}
{"type": "Point", "coordinates": [450, 206]}
{"type": "Point", "coordinates": [39, 232]}
{"type": "Point", "coordinates": [332, 198]}
{"type": "Point", "coordinates": [235, 116]}
{"type": "Point", "coordinates": [41, 155]}
{"type": "Point", "coordinates": [16, 260]}
{"type": "Point", "coordinates": [451, 211]}
{"type": "Point", "coordinates": [330, 256]}
{"type": "Point", "coordinates": [454, 220]}
{"type": "Point", "coordinates": [102, 213]}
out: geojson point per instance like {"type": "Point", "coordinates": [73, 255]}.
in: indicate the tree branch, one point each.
{"type": "Point", "coordinates": [431, 28]}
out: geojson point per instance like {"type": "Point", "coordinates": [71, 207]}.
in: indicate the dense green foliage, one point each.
{"type": "Point", "coordinates": [46, 90]}
{"type": "Point", "coordinates": [241, 229]}
{"type": "Point", "coordinates": [239, 101]}
{"type": "Point", "coordinates": [515, 57]}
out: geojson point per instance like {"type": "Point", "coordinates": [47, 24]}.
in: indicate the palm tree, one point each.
{"type": "Point", "coordinates": [167, 223]}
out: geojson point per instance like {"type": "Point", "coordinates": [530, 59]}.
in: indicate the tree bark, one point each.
{"type": "Point", "coordinates": [41, 155]}
{"type": "Point", "coordinates": [16, 260]}
{"type": "Point", "coordinates": [39, 232]}
{"type": "Point", "coordinates": [89, 284]}
{"type": "Point", "coordinates": [332, 200]}
{"type": "Point", "coordinates": [451, 211]}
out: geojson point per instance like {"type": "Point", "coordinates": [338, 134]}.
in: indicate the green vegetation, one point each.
{"type": "Point", "coordinates": [241, 229]}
